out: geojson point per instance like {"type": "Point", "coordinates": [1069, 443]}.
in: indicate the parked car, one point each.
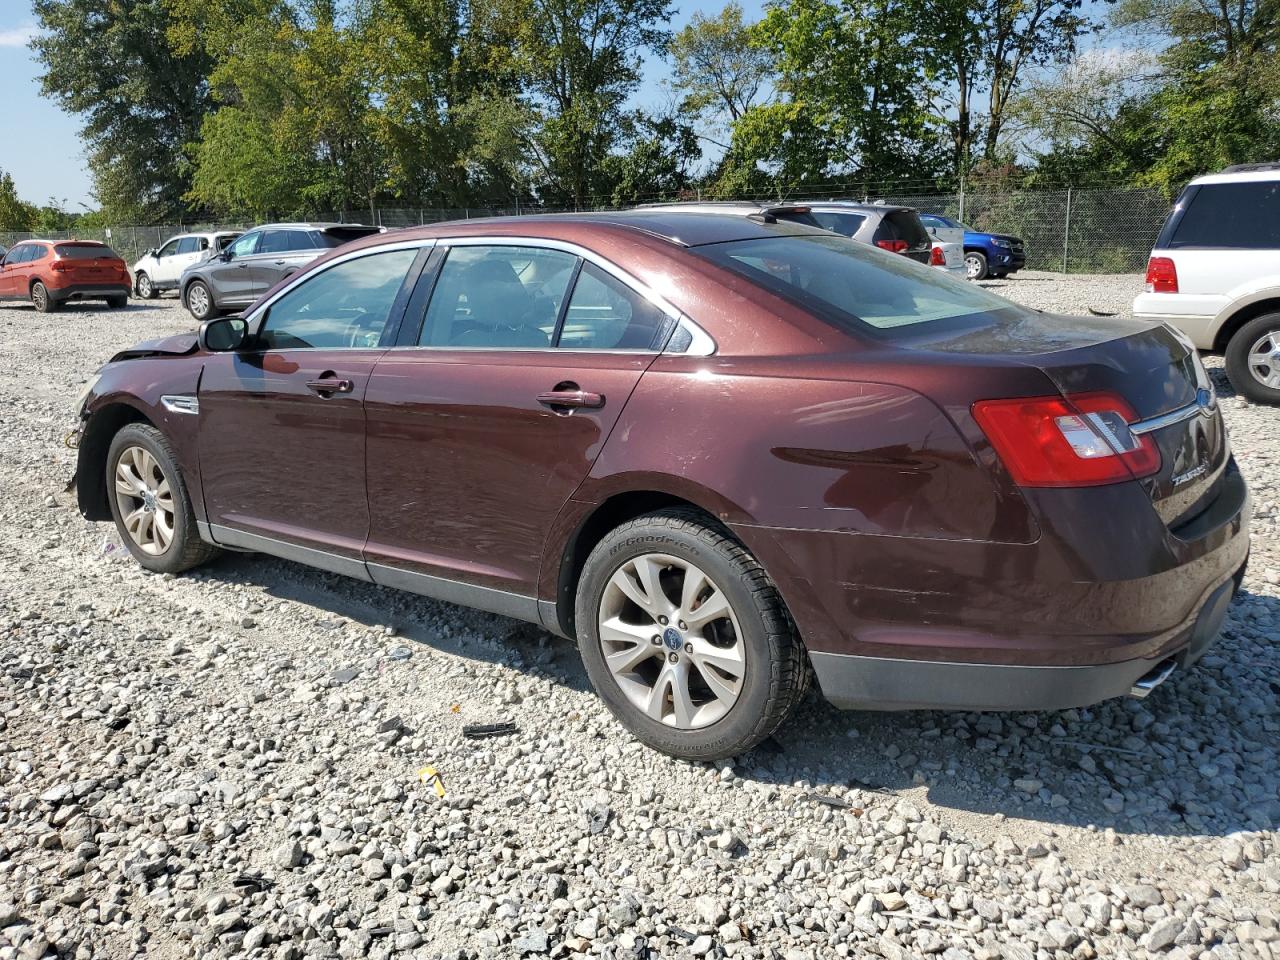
{"type": "Point", "coordinates": [948, 247]}
{"type": "Point", "coordinates": [1215, 274]}
{"type": "Point", "coordinates": [994, 255]}
{"type": "Point", "coordinates": [160, 268]}
{"type": "Point", "coordinates": [896, 229]}
{"type": "Point", "coordinates": [49, 273]}
{"type": "Point", "coordinates": [252, 264]}
{"type": "Point", "coordinates": [717, 451]}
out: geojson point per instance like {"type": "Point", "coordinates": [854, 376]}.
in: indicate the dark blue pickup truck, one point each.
{"type": "Point", "coordinates": [985, 254]}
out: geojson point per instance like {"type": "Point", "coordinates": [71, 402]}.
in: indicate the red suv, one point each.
{"type": "Point", "coordinates": [720, 452]}
{"type": "Point", "coordinates": [50, 273]}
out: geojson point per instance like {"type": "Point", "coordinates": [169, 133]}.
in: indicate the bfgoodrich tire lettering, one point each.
{"type": "Point", "coordinates": [1253, 359]}
{"type": "Point", "coordinates": [776, 670]}
{"type": "Point", "coordinates": [142, 478]}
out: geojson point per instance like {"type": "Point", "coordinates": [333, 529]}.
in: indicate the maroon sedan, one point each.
{"type": "Point", "coordinates": [719, 452]}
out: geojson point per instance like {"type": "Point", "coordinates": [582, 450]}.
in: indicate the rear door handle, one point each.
{"type": "Point", "coordinates": [328, 386]}
{"type": "Point", "coordinates": [571, 399]}
{"type": "Point", "coordinates": [280, 263]}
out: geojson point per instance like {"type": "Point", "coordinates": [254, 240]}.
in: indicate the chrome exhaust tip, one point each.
{"type": "Point", "coordinates": [1157, 675]}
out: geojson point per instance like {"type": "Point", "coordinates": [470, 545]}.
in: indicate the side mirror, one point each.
{"type": "Point", "coordinates": [226, 255]}
{"type": "Point", "coordinates": [223, 334]}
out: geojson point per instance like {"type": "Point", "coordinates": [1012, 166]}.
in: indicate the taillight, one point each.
{"type": "Point", "coordinates": [1081, 441]}
{"type": "Point", "coordinates": [893, 246]}
{"type": "Point", "coordinates": [60, 266]}
{"type": "Point", "coordinates": [1162, 276]}
{"type": "Point", "coordinates": [937, 258]}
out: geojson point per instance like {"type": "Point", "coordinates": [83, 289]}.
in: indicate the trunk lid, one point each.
{"type": "Point", "coordinates": [88, 262]}
{"type": "Point", "coordinates": [1157, 372]}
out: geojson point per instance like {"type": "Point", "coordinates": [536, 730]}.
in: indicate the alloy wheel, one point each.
{"type": "Point", "coordinates": [972, 267]}
{"type": "Point", "coordinates": [144, 286]}
{"type": "Point", "coordinates": [198, 300]}
{"type": "Point", "coordinates": [1264, 359]}
{"type": "Point", "coordinates": [145, 499]}
{"type": "Point", "coordinates": [671, 641]}
{"type": "Point", "coordinates": [40, 297]}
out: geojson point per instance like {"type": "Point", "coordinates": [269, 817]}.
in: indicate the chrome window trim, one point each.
{"type": "Point", "coordinates": [255, 319]}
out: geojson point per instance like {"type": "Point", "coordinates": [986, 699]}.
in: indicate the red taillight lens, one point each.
{"type": "Point", "coordinates": [1162, 276]}
{"type": "Point", "coordinates": [937, 258]}
{"type": "Point", "coordinates": [1081, 441]}
{"type": "Point", "coordinates": [893, 246]}
{"type": "Point", "coordinates": [60, 266]}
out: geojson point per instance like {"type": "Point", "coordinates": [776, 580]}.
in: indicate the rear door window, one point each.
{"type": "Point", "coordinates": [276, 241]}
{"type": "Point", "coordinates": [189, 245]}
{"type": "Point", "coordinates": [605, 314]}
{"type": "Point", "coordinates": [1240, 216]}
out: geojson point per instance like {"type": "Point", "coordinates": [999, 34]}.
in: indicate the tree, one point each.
{"type": "Point", "coordinates": [15, 215]}
{"type": "Point", "coordinates": [655, 160]}
{"type": "Point", "coordinates": [110, 61]}
{"type": "Point", "coordinates": [851, 85]}
{"type": "Point", "coordinates": [979, 51]}
{"type": "Point", "coordinates": [719, 73]}
{"type": "Point", "coordinates": [576, 62]}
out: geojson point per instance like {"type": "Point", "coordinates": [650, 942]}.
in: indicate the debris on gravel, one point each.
{"type": "Point", "coordinates": [232, 763]}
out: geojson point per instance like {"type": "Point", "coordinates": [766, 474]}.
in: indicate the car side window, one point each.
{"type": "Point", "coordinates": [497, 297]}
{"type": "Point", "coordinates": [344, 307]}
{"type": "Point", "coordinates": [276, 241]}
{"type": "Point", "coordinates": [605, 314]}
{"type": "Point", "coordinates": [246, 245]}
{"type": "Point", "coordinates": [15, 256]}
{"type": "Point", "coordinates": [37, 251]}
{"type": "Point", "coordinates": [189, 245]}
{"type": "Point", "coordinates": [168, 250]}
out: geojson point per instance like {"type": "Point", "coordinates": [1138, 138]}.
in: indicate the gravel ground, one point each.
{"type": "Point", "coordinates": [229, 763]}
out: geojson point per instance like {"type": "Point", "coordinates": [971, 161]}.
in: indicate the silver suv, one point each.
{"type": "Point", "coordinates": [261, 258]}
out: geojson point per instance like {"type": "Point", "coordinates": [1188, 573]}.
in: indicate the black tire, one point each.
{"type": "Point", "coordinates": [1243, 376]}
{"type": "Point", "coordinates": [975, 264]}
{"type": "Point", "coordinates": [41, 299]}
{"type": "Point", "coordinates": [146, 289]}
{"type": "Point", "coordinates": [117, 303]}
{"type": "Point", "coordinates": [776, 673]}
{"type": "Point", "coordinates": [185, 550]}
{"type": "Point", "coordinates": [199, 290]}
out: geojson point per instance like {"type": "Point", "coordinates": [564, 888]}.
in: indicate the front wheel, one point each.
{"type": "Point", "coordinates": [975, 265]}
{"type": "Point", "coordinates": [149, 501]}
{"type": "Point", "coordinates": [41, 300]}
{"type": "Point", "coordinates": [146, 289]}
{"type": "Point", "coordinates": [199, 300]}
{"type": "Point", "coordinates": [685, 637]}
{"type": "Point", "coordinates": [1253, 359]}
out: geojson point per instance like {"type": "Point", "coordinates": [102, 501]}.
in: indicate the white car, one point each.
{"type": "Point", "coordinates": [1215, 274]}
{"type": "Point", "coordinates": [159, 269]}
{"type": "Point", "coordinates": [948, 246]}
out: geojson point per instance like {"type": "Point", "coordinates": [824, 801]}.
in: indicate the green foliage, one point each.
{"type": "Point", "coordinates": [15, 215]}
{"type": "Point", "coordinates": [142, 102]}
{"type": "Point", "coordinates": [716, 69]}
{"type": "Point", "coordinates": [655, 162]}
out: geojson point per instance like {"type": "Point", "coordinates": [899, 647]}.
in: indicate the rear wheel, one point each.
{"type": "Point", "coordinates": [199, 300]}
{"type": "Point", "coordinates": [975, 265]}
{"type": "Point", "coordinates": [686, 639]}
{"type": "Point", "coordinates": [41, 299]}
{"type": "Point", "coordinates": [1253, 359]}
{"type": "Point", "coordinates": [146, 289]}
{"type": "Point", "coordinates": [149, 501]}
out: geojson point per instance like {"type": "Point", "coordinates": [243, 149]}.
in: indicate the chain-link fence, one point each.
{"type": "Point", "coordinates": [1084, 230]}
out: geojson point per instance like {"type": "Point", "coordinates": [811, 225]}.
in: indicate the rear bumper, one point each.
{"type": "Point", "coordinates": [878, 683]}
{"type": "Point", "coordinates": [1076, 617]}
{"type": "Point", "coordinates": [1160, 308]}
{"type": "Point", "coordinates": [88, 291]}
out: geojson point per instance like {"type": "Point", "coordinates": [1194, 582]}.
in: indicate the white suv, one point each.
{"type": "Point", "coordinates": [159, 269]}
{"type": "Point", "coordinates": [1215, 274]}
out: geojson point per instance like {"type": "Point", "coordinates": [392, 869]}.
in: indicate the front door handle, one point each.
{"type": "Point", "coordinates": [280, 263]}
{"type": "Point", "coordinates": [328, 386]}
{"type": "Point", "coordinates": [570, 399]}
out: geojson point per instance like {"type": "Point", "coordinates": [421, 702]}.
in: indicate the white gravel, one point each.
{"type": "Point", "coordinates": [228, 764]}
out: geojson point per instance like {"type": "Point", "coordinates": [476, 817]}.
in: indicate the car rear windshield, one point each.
{"type": "Point", "coordinates": [1241, 216]}
{"type": "Point", "coordinates": [83, 251]}
{"type": "Point", "coordinates": [337, 236]}
{"type": "Point", "coordinates": [855, 286]}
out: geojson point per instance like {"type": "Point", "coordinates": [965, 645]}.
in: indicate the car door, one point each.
{"type": "Point", "coordinates": [484, 421]}
{"type": "Point", "coordinates": [231, 276]}
{"type": "Point", "coordinates": [282, 433]}
{"type": "Point", "coordinates": [188, 253]}
{"type": "Point", "coordinates": [167, 270]}
{"type": "Point", "coordinates": [9, 272]}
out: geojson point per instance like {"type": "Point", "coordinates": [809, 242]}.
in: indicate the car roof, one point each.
{"type": "Point", "coordinates": [1242, 173]}
{"type": "Point", "coordinates": [687, 229]}
{"type": "Point", "coordinates": [318, 225]}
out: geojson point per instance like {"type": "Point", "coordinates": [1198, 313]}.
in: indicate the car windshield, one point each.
{"type": "Point", "coordinates": [855, 286]}
{"type": "Point", "coordinates": [83, 251]}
